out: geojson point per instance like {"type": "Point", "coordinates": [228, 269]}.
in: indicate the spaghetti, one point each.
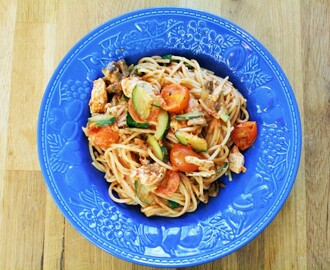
{"type": "Point", "coordinates": [162, 133]}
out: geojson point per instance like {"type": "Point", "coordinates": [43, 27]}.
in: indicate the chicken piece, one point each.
{"type": "Point", "coordinates": [149, 175]}
{"type": "Point", "coordinates": [114, 88]}
{"type": "Point", "coordinates": [236, 161]}
{"type": "Point", "coordinates": [203, 164]}
{"type": "Point", "coordinates": [205, 167]}
{"type": "Point", "coordinates": [128, 84]}
{"type": "Point", "coordinates": [99, 97]}
{"type": "Point", "coordinates": [200, 121]}
{"type": "Point", "coordinates": [113, 110]}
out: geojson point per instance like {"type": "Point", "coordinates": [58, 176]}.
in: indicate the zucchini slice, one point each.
{"type": "Point", "coordinates": [163, 124]}
{"type": "Point", "coordinates": [155, 147]}
{"type": "Point", "coordinates": [130, 122]}
{"type": "Point", "coordinates": [223, 114]}
{"type": "Point", "coordinates": [142, 193]}
{"type": "Point", "coordinates": [165, 153]}
{"type": "Point", "coordinates": [141, 101]}
{"type": "Point", "coordinates": [197, 143]}
{"type": "Point", "coordinates": [102, 120]}
{"type": "Point", "coordinates": [188, 116]}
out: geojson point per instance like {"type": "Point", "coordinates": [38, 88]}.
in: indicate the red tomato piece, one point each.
{"type": "Point", "coordinates": [244, 134]}
{"type": "Point", "coordinates": [176, 98]}
{"type": "Point", "coordinates": [177, 158]}
{"type": "Point", "coordinates": [103, 136]}
{"type": "Point", "coordinates": [169, 184]}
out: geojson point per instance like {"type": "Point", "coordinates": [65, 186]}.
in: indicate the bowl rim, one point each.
{"type": "Point", "coordinates": [157, 10]}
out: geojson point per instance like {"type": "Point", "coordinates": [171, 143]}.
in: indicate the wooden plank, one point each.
{"type": "Point", "coordinates": [316, 85]}
{"type": "Point", "coordinates": [54, 239]}
{"type": "Point", "coordinates": [285, 246]}
{"type": "Point", "coordinates": [7, 26]}
{"type": "Point", "coordinates": [24, 215]}
{"type": "Point", "coordinates": [36, 11]}
{"type": "Point", "coordinates": [26, 85]}
{"type": "Point", "coordinates": [33, 54]}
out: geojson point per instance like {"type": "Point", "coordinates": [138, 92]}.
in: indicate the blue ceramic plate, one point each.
{"type": "Point", "coordinates": [241, 210]}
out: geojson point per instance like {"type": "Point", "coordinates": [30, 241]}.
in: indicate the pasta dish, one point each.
{"type": "Point", "coordinates": [164, 130]}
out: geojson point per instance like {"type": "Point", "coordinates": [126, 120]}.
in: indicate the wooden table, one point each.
{"type": "Point", "coordinates": [36, 34]}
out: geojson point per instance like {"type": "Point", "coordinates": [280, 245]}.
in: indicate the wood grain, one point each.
{"type": "Point", "coordinates": [316, 60]}
{"type": "Point", "coordinates": [35, 35]}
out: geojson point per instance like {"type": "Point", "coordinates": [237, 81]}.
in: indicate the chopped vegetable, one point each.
{"type": "Point", "coordinates": [169, 56]}
{"type": "Point", "coordinates": [163, 124]}
{"type": "Point", "coordinates": [131, 110]}
{"type": "Point", "coordinates": [103, 136]}
{"type": "Point", "coordinates": [197, 143]}
{"type": "Point", "coordinates": [114, 72]}
{"type": "Point", "coordinates": [142, 192]}
{"type": "Point", "coordinates": [178, 154]}
{"type": "Point", "coordinates": [244, 134]}
{"type": "Point", "coordinates": [130, 122]}
{"type": "Point", "coordinates": [176, 98]}
{"type": "Point", "coordinates": [169, 184]}
{"type": "Point", "coordinates": [102, 120]}
{"type": "Point", "coordinates": [224, 166]}
{"type": "Point", "coordinates": [165, 153]}
{"type": "Point", "coordinates": [155, 147]}
{"type": "Point", "coordinates": [189, 115]}
{"type": "Point", "coordinates": [223, 114]}
{"type": "Point", "coordinates": [173, 204]}
{"type": "Point", "coordinates": [141, 101]}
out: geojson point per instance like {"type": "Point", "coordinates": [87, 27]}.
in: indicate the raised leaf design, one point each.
{"type": "Point", "coordinates": [56, 143]}
{"type": "Point", "coordinates": [148, 34]}
{"type": "Point", "coordinates": [108, 221]}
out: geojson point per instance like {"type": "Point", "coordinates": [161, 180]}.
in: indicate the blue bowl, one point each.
{"type": "Point", "coordinates": [248, 203]}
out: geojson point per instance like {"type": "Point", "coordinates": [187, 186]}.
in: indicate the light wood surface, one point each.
{"type": "Point", "coordinates": [36, 34]}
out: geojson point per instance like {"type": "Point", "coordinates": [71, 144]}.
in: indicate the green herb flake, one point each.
{"type": "Point", "coordinates": [224, 166]}
{"type": "Point", "coordinates": [167, 56]}
{"type": "Point", "coordinates": [173, 204]}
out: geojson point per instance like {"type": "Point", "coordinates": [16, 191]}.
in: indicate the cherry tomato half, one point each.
{"type": "Point", "coordinates": [244, 134]}
{"type": "Point", "coordinates": [103, 136]}
{"type": "Point", "coordinates": [177, 157]}
{"type": "Point", "coordinates": [176, 98]}
{"type": "Point", "coordinates": [169, 184]}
